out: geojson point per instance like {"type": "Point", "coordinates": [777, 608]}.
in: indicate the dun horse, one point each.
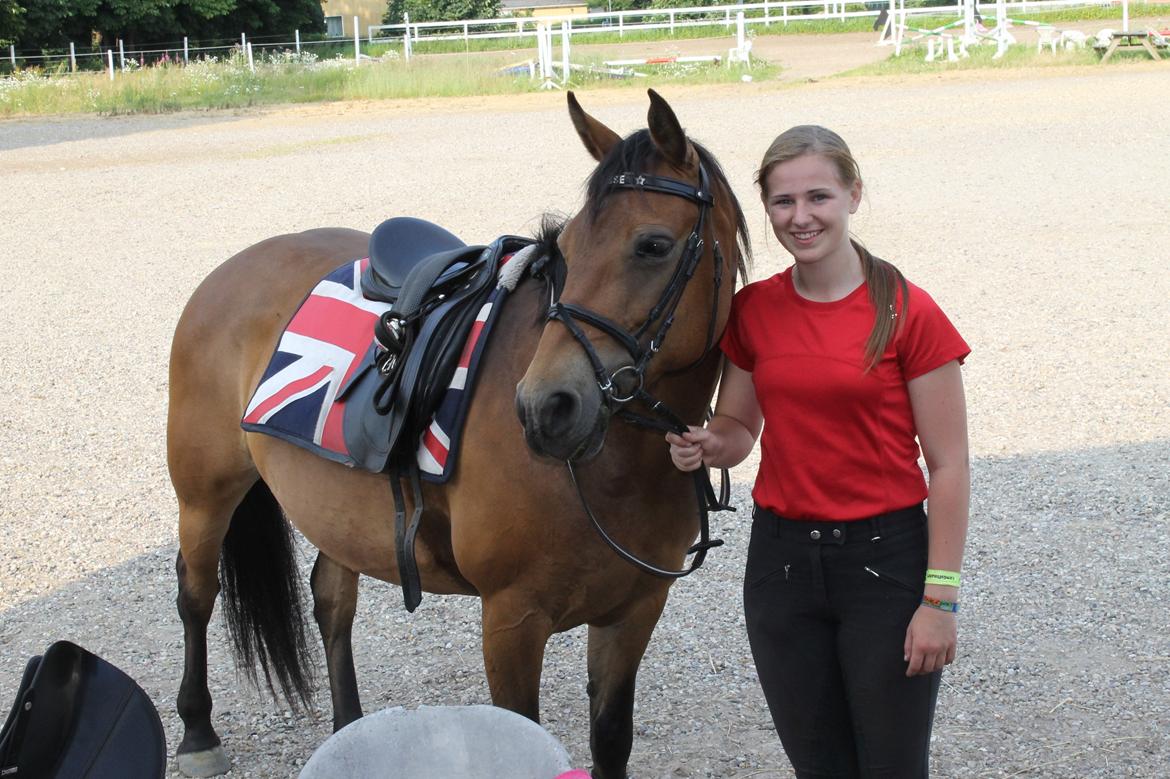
{"type": "Point", "coordinates": [638, 301]}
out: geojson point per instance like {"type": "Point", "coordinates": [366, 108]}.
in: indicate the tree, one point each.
{"type": "Point", "coordinates": [440, 10]}
{"type": "Point", "coordinates": [54, 23]}
{"type": "Point", "coordinates": [11, 21]}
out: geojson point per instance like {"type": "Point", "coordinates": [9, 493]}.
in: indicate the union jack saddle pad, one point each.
{"type": "Point", "coordinates": [304, 395]}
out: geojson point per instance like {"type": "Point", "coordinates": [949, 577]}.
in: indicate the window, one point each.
{"type": "Point", "coordinates": [335, 26]}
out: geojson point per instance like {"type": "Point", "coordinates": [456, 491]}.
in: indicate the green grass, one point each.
{"type": "Point", "coordinates": [210, 84]}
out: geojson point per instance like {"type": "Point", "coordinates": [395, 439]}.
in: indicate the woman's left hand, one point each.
{"type": "Point", "coordinates": [930, 641]}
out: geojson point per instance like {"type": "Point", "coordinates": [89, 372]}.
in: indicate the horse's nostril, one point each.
{"type": "Point", "coordinates": [558, 413]}
{"type": "Point", "coordinates": [521, 410]}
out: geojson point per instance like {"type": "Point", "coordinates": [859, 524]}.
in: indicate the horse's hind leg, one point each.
{"type": "Point", "coordinates": [202, 526]}
{"type": "Point", "coordinates": [335, 591]}
{"type": "Point", "coordinates": [615, 652]}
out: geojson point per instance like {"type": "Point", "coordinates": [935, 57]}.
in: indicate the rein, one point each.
{"type": "Point", "coordinates": [554, 270]}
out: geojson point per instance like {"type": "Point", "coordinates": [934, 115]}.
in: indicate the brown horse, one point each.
{"type": "Point", "coordinates": [509, 527]}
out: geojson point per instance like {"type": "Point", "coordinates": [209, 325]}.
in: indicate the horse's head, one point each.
{"type": "Point", "coordinates": [640, 284]}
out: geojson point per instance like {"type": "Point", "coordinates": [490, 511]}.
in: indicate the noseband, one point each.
{"type": "Point", "coordinates": [554, 270]}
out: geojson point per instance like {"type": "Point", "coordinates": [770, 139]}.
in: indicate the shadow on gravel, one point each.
{"type": "Point", "coordinates": [1063, 648]}
{"type": "Point", "coordinates": [27, 132]}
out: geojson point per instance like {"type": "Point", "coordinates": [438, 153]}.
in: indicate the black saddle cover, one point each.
{"type": "Point", "coordinates": [78, 716]}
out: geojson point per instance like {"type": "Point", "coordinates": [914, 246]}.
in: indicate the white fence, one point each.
{"type": "Point", "coordinates": [783, 12]}
{"type": "Point", "coordinates": [764, 14]}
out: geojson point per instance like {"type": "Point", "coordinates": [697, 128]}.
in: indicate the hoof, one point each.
{"type": "Point", "coordinates": [209, 762]}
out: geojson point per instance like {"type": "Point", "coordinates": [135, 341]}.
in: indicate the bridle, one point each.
{"type": "Point", "coordinates": [553, 269]}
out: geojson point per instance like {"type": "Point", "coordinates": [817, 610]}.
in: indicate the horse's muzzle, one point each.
{"type": "Point", "coordinates": [562, 422]}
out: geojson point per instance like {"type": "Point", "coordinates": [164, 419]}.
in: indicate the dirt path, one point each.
{"type": "Point", "coordinates": [1030, 212]}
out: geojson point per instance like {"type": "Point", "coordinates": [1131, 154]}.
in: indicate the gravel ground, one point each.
{"type": "Point", "coordinates": [1031, 204]}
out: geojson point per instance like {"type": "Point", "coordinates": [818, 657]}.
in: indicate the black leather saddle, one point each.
{"type": "Point", "coordinates": [76, 716]}
{"type": "Point", "coordinates": [400, 245]}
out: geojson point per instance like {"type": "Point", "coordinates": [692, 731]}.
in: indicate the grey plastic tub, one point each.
{"type": "Point", "coordinates": [439, 742]}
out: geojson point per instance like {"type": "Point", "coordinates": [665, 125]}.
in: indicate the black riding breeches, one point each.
{"type": "Point", "coordinates": [827, 607]}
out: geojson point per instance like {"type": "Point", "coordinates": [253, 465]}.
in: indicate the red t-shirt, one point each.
{"type": "Point", "coordinates": [838, 443]}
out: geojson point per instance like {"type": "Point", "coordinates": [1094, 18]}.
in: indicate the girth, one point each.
{"type": "Point", "coordinates": [418, 344]}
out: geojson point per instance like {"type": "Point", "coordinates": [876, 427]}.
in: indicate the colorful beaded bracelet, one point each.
{"type": "Point", "coordinates": [942, 605]}
{"type": "Point", "coordinates": [947, 578]}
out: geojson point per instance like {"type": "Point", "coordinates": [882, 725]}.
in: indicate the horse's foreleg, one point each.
{"type": "Point", "coordinates": [515, 632]}
{"type": "Point", "coordinates": [615, 652]}
{"type": "Point", "coordinates": [335, 591]}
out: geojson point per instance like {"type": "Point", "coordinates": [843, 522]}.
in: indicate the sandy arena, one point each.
{"type": "Point", "coordinates": [1032, 204]}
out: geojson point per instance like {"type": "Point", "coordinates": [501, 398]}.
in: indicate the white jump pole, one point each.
{"type": "Point", "coordinates": [72, 57]}
{"type": "Point", "coordinates": [243, 41]}
{"type": "Point", "coordinates": [297, 37]}
{"type": "Point", "coordinates": [1002, 37]}
{"type": "Point", "coordinates": [110, 61]}
{"type": "Point", "coordinates": [565, 52]}
{"type": "Point", "coordinates": [251, 63]}
{"type": "Point", "coordinates": [186, 51]}
{"type": "Point", "coordinates": [1125, 15]}
{"type": "Point", "coordinates": [740, 34]}
{"type": "Point", "coordinates": [357, 43]}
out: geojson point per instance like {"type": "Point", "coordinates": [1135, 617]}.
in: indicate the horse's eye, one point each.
{"type": "Point", "coordinates": [654, 248]}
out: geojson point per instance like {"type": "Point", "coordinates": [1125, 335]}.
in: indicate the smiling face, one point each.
{"type": "Point", "coordinates": [809, 206]}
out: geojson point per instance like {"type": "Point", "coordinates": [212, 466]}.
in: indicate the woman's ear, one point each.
{"type": "Point", "coordinates": [855, 196]}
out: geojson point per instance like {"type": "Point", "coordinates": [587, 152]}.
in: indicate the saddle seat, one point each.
{"type": "Point", "coordinates": [399, 246]}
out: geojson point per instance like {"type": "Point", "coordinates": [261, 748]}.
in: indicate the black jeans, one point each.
{"type": "Point", "coordinates": [827, 607]}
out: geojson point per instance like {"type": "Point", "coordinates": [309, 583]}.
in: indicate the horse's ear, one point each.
{"type": "Point", "coordinates": [667, 133]}
{"type": "Point", "coordinates": [598, 138]}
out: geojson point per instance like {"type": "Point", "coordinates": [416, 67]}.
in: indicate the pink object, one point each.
{"type": "Point", "coordinates": [576, 773]}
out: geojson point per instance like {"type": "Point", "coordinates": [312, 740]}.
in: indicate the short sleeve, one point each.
{"type": "Point", "coordinates": [736, 342]}
{"type": "Point", "coordinates": [928, 340]}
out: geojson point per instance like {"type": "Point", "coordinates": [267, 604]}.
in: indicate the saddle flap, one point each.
{"type": "Point", "coordinates": [396, 247]}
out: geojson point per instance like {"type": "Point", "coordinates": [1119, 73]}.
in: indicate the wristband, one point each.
{"type": "Point", "coordinates": [942, 605]}
{"type": "Point", "coordinates": [947, 578]}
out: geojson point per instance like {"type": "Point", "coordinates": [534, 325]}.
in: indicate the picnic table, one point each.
{"type": "Point", "coordinates": [1129, 40]}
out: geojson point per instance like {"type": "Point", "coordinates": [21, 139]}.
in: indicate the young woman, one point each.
{"type": "Point", "coordinates": [851, 587]}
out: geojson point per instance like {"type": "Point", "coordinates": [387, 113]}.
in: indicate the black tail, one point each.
{"type": "Point", "coordinates": [263, 596]}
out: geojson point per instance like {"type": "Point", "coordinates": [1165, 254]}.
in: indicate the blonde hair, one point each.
{"type": "Point", "coordinates": [882, 279]}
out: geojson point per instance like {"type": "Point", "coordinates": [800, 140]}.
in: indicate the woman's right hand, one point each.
{"type": "Point", "coordinates": [688, 450]}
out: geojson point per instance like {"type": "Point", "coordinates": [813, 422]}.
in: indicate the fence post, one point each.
{"type": "Point", "coordinates": [727, 17]}
{"type": "Point", "coordinates": [251, 63]}
{"type": "Point", "coordinates": [672, 22]}
{"type": "Point", "coordinates": [297, 35]}
{"type": "Point", "coordinates": [121, 55]}
{"type": "Point", "coordinates": [357, 43]}
{"type": "Point", "coordinates": [243, 42]}
{"type": "Point", "coordinates": [785, 6]}
{"type": "Point", "coordinates": [564, 52]}
{"type": "Point", "coordinates": [12, 56]}
{"type": "Point", "coordinates": [621, 30]}
{"type": "Point", "coordinates": [406, 39]}
{"type": "Point", "coordinates": [466, 37]}
{"type": "Point", "coordinates": [767, 18]}
{"type": "Point", "coordinates": [186, 51]}
{"type": "Point", "coordinates": [110, 60]}
{"type": "Point", "coordinates": [72, 57]}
